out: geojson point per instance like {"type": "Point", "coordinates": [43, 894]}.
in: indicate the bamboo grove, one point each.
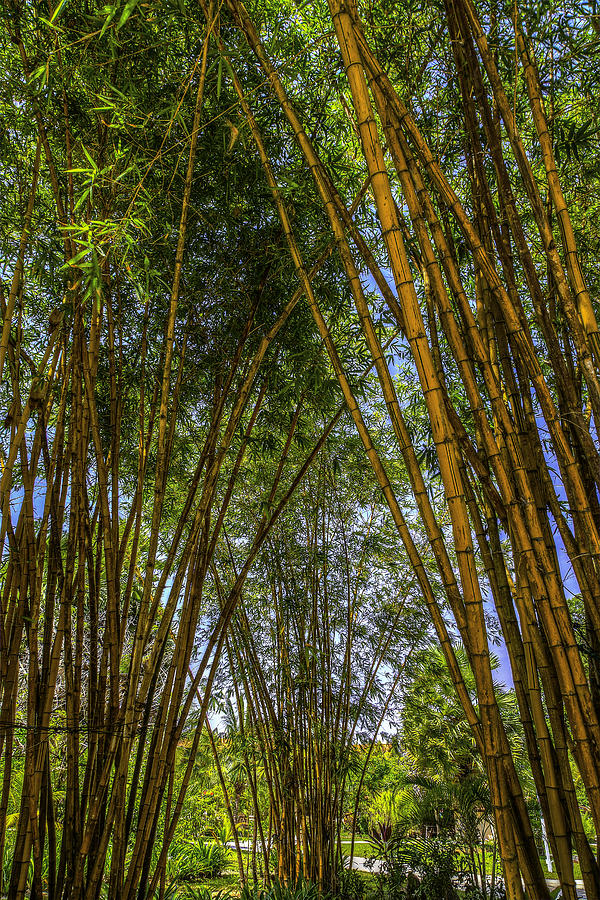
{"type": "Point", "coordinates": [232, 230]}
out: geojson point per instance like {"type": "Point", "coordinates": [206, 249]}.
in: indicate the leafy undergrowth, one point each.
{"type": "Point", "coordinates": [221, 887]}
{"type": "Point", "coordinates": [226, 886]}
{"type": "Point", "coordinates": [193, 860]}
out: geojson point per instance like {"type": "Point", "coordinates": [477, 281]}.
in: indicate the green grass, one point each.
{"type": "Point", "coordinates": [361, 848]}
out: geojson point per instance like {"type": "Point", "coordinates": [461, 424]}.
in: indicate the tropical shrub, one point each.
{"type": "Point", "coordinates": [193, 860]}
{"type": "Point", "coordinates": [301, 890]}
{"type": "Point", "coordinates": [350, 885]}
{"type": "Point", "coordinates": [417, 869]}
{"type": "Point", "coordinates": [202, 892]}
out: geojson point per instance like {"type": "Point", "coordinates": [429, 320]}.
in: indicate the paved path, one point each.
{"type": "Point", "coordinates": [578, 884]}
{"type": "Point", "coordinates": [360, 863]}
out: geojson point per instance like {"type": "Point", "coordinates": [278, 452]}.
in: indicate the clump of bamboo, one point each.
{"type": "Point", "coordinates": [103, 586]}
{"type": "Point", "coordinates": [308, 653]}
